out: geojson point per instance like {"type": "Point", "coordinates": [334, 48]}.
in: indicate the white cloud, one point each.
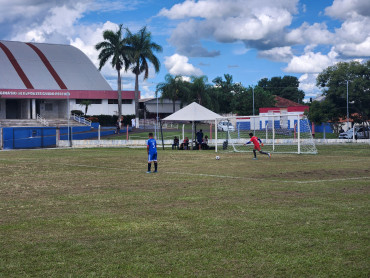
{"type": "Point", "coordinates": [86, 39]}
{"type": "Point", "coordinates": [311, 62]}
{"type": "Point", "coordinates": [316, 33]}
{"type": "Point", "coordinates": [147, 92]}
{"type": "Point", "coordinates": [278, 54]}
{"type": "Point", "coordinates": [179, 65]}
{"type": "Point", "coordinates": [307, 83]}
{"type": "Point", "coordinates": [262, 24]}
{"type": "Point", "coordinates": [343, 9]}
{"type": "Point", "coordinates": [52, 20]}
{"type": "Point", "coordinates": [57, 26]}
{"type": "Point", "coordinates": [355, 50]}
{"type": "Point", "coordinates": [258, 23]}
{"type": "Point", "coordinates": [223, 8]}
{"type": "Point", "coordinates": [15, 10]}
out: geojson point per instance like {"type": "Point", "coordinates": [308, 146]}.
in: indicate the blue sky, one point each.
{"type": "Point", "coordinates": [249, 39]}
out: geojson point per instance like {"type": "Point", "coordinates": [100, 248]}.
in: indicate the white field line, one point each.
{"type": "Point", "coordinates": [204, 175]}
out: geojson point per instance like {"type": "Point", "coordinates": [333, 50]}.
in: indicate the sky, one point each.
{"type": "Point", "coordinates": [248, 39]}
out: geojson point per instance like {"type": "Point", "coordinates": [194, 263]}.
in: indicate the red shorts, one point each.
{"type": "Point", "coordinates": [258, 148]}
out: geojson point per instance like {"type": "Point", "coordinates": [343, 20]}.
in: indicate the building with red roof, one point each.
{"type": "Point", "coordinates": [284, 106]}
{"type": "Point", "coordinates": [52, 79]}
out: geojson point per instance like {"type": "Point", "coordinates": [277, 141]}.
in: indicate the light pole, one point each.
{"type": "Point", "coordinates": [347, 109]}
{"type": "Point", "coordinates": [68, 116]}
{"type": "Point", "coordinates": [253, 99]}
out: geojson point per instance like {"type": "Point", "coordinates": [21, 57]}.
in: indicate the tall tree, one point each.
{"type": "Point", "coordinates": [199, 88]}
{"type": "Point", "coordinates": [142, 51]}
{"type": "Point", "coordinates": [286, 87]}
{"type": "Point", "coordinates": [114, 47]}
{"type": "Point", "coordinates": [224, 92]}
{"type": "Point", "coordinates": [334, 82]}
{"type": "Point", "coordinates": [174, 88]}
{"type": "Point", "coordinates": [243, 100]}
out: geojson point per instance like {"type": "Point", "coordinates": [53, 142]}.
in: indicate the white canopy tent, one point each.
{"type": "Point", "coordinates": [193, 112]}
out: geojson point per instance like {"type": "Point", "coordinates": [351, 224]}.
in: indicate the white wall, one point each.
{"type": "Point", "coordinates": [54, 113]}
{"type": "Point", "coordinates": [104, 108]}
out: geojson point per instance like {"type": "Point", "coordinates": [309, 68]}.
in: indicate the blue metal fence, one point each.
{"type": "Point", "coordinates": [28, 137]}
{"type": "Point", "coordinates": [45, 137]}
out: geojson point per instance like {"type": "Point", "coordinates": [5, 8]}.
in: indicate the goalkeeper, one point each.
{"type": "Point", "coordinates": [256, 142]}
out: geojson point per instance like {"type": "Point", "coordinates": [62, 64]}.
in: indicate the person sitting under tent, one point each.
{"type": "Point", "coordinates": [185, 144]}
{"type": "Point", "coordinates": [204, 145]}
{"type": "Point", "coordinates": [175, 144]}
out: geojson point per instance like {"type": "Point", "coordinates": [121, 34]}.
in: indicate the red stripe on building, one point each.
{"type": "Point", "coordinates": [16, 66]}
{"type": "Point", "coordinates": [48, 66]}
{"type": "Point", "coordinates": [63, 94]}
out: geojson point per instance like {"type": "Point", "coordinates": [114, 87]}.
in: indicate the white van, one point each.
{"type": "Point", "coordinates": [360, 133]}
{"type": "Point", "coordinates": [225, 126]}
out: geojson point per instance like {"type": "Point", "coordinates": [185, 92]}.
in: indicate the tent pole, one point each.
{"type": "Point", "coordinates": [192, 135]}
{"type": "Point", "coordinates": [216, 135]}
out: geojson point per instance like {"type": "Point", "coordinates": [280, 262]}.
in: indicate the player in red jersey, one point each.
{"type": "Point", "coordinates": [256, 142]}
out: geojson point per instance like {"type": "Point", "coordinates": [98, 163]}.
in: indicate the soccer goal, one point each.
{"type": "Point", "coordinates": [280, 133]}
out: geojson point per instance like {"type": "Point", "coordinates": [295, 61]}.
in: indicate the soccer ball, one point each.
{"type": "Point", "coordinates": [217, 157]}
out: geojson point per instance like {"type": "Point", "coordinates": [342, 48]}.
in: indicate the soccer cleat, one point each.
{"type": "Point", "coordinates": [155, 171]}
{"type": "Point", "coordinates": [269, 155]}
{"type": "Point", "coordinates": [254, 158]}
{"type": "Point", "coordinates": [148, 172]}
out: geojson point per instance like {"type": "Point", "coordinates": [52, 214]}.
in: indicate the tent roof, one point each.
{"type": "Point", "coordinates": [193, 112]}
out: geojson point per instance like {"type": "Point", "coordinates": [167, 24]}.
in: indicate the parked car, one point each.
{"type": "Point", "coordinates": [225, 126]}
{"type": "Point", "coordinates": [361, 132]}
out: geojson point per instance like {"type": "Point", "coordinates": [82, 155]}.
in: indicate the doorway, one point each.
{"type": "Point", "coordinates": [12, 109]}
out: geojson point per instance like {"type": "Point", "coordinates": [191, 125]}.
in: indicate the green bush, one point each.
{"type": "Point", "coordinates": [77, 112]}
{"type": "Point", "coordinates": [109, 120]}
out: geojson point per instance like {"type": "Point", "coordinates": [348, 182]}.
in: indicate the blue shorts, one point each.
{"type": "Point", "coordinates": [152, 157]}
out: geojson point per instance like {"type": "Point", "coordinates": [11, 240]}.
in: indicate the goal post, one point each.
{"type": "Point", "coordinates": [280, 133]}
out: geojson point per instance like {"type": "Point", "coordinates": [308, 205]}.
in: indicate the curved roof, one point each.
{"type": "Point", "coordinates": [47, 66]}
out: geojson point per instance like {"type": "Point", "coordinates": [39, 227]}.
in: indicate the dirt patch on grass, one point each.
{"type": "Point", "coordinates": [322, 174]}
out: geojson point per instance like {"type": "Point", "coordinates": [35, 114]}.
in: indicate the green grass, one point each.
{"type": "Point", "coordinates": [96, 213]}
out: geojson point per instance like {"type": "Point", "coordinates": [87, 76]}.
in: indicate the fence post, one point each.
{"type": "Point", "coordinates": [127, 133]}
{"type": "Point", "coordinates": [57, 137]}
{"type": "Point", "coordinates": [71, 136]}
{"type": "Point", "coordinates": [273, 133]}
{"type": "Point", "coordinates": [299, 133]}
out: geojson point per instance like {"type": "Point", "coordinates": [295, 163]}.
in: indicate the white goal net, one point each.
{"type": "Point", "coordinates": [280, 133]}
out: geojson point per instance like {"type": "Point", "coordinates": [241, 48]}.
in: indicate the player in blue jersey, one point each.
{"type": "Point", "coordinates": [152, 153]}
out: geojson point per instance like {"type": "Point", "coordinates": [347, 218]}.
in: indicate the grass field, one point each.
{"type": "Point", "coordinates": [96, 213]}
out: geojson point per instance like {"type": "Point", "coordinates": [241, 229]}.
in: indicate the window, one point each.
{"type": "Point", "coordinates": [92, 101]}
{"type": "Point", "coordinates": [115, 101]}
{"type": "Point", "coordinates": [48, 107]}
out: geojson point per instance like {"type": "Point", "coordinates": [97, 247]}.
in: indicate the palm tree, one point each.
{"type": "Point", "coordinates": [225, 91]}
{"type": "Point", "coordinates": [141, 51]}
{"type": "Point", "coordinates": [174, 88]}
{"type": "Point", "coordinates": [114, 46]}
{"type": "Point", "coordinates": [200, 88]}
{"type": "Point", "coordinates": [86, 103]}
